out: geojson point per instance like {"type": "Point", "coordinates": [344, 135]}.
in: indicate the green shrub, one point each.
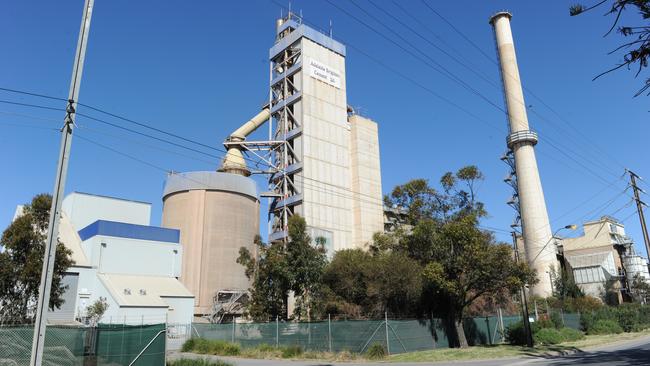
{"type": "Point", "coordinates": [197, 362]}
{"type": "Point", "coordinates": [628, 316]}
{"type": "Point", "coordinates": [265, 347]}
{"type": "Point", "coordinates": [188, 345]}
{"type": "Point", "coordinates": [556, 318]}
{"type": "Point", "coordinates": [291, 351]}
{"type": "Point", "coordinates": [605, 326]}
{"type": "Point", "coordinates": [376, 352]}
{"type": "Point", "coordinates": [213, 347]}
{"type": "Point", "coordinates": [571, 335]}
{"type": "Point", "coordinates": [202, 345]}
{"type": "Point", "coordinates": [548, 336]}
{"type": "Point", "coordinates": [516, 335]}
{"type": "Point", "coordinates": [544, 322]}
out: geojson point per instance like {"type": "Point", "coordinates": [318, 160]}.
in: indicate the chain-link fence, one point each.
{"type": "Point", "coordinates": [106, 344]}
{"type": "Point", "coordinates": [397, 335]}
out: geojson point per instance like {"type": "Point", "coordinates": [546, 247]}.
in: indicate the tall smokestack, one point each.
{"type": "Point", "coordinates": [536, 230]}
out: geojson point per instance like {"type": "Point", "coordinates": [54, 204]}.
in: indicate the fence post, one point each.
{"type": "Point", "coordinates": [562, 317]}
{"type": "Point", "coordinates": [308, 333]}
{"type": "Point", "coordinates": [232, 338]}
{"type": "Point", "coordinates": [433, 329]}
{"type": "Point", "coordinates": [277, 331]}
{"type": "Point", "coordinates": [536, 312]}
{"type": "Point", "coordinates": [503, 331]}
{"type": "Point", "coordinates": [487, 322]}
{"type": "Point", "coordinates": [122, 344]}
{"type": "Point", "coordinates": [329, 331]}
{"type": "Point", "coordinates": [386, 326]}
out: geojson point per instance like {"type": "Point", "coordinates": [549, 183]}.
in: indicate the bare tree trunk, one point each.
{"type": "Point", "coordinates": [460, 333]}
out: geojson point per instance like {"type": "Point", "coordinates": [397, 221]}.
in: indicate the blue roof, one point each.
{"type": "Point", "coordinates": [130, 231]}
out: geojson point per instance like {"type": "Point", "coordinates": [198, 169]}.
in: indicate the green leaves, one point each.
{"type": "Point", "coordinates": [21, 263]}
{"type": "Point", "coordinates": [279, 268]}
{"type": "Point", "coordinates": [372, 284]}
{"type": "Point", "coordinates": [576, 9]}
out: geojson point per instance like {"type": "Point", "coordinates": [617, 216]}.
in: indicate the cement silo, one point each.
{"type": "Point", "coordinates": [217, 213]}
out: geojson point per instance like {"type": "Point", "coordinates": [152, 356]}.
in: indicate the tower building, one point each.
{"type": "Point", "coordinates": [327, 156]}
{"type": "Point", "coordinates": [529, 197]}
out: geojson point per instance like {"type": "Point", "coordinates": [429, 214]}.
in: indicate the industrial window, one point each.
{"type": "Point", "coordinates": [613, 229]}
{"type": "Point", "coordinates": [588, 275]}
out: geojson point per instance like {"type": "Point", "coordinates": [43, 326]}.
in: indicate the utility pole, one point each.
{"type": "Point", "coordinates": [639, 209]}
{"type": "Point", "coordinates": [524, 301]}
{"type": "Point", "coordinates": [40, 322]}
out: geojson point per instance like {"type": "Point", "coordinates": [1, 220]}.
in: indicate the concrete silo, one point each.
{"type": "Point", "coordinates": [217, 213]}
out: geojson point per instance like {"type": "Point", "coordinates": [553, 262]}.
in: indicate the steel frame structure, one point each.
{"type": "Point", "coordinates": [285, 127]}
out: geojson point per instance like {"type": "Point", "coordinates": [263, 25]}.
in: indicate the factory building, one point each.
{"type": "Point", "coordinates": [603, 253]}
{"type": "Point", "coordinates": [121, 258]}
{"type": "Point", "coordinates": [320, 159]}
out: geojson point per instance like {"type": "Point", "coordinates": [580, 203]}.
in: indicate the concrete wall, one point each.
{"type": "Point", "coordinates": [367, 204]}
{"type": "Point", "coordinates": [596, 234]}
{"type": "Point", "coordinates": [83, 209]}
{"type": "Point", "coordinates": [181, 310]}
{"type": "Point", "coordinates": [214, 225]}
{"type": "Point", "coordinates": [132, 256]}
{"type": "Point", "coordinates": [327, 201]}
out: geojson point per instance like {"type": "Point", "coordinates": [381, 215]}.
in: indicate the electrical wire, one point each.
{"type": "Point", "coordinates": [404, 24]}
{"type": "Point", "coordinates": [441, 69]}
{"type": "Point", "coordinates": [491, 59]}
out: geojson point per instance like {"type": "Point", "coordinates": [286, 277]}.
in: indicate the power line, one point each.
{"type": "Point", "coordinates": [316, 187]}
{"type": "Point", "coordinates": [456, 60]}
{"type": "Point", "coordinates": [32, 105]}
{"type": "Point", "coordinates": [189, 148]}
{"type": "Point", "coordinates": [577, 131]}
{"type": "Point", "coordinates": [459, 32]}
{"type": "Point", "coordinates": [446, 72]}
{"type": "Point", "coordinates": [33, 94]}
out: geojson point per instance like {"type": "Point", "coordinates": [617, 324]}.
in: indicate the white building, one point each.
{"type": "Point", "coordinates": [603, 253]}
{"type": "Point", "coordinates": [118, 256]}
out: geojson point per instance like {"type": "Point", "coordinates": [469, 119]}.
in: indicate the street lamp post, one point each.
{"type": "Point", "coordinates": [524, 301]}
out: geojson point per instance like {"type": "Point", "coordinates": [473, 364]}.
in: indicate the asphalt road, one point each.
{"type": "Point", "coordinates": [630, 353]}
{"type": "Point", "coordinates": [633, 353]}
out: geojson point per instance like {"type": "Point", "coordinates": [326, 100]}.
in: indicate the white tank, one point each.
{"type": "Point", "coordinates": [217, 214]}
{"type": "Point", "coordinates": [635, 264]}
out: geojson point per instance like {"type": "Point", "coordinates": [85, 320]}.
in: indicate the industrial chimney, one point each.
{"type": "Point", "coordinates": [536, 230]}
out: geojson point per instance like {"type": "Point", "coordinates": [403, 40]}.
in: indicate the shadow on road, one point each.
{"type": "Point", "coordinates": [628, 357]}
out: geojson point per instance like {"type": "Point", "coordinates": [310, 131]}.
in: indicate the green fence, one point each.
{"type": "Point", "coordinates": [118, 344]}
{"type": "Point", "coordinates": [398, 336]}
{"type": "Point", "coordinates": [72, 346]}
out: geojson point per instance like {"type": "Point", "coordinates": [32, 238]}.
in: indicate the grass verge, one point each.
{"type": "Point", "coordinates": [262, 351]}
{"type": "Point", "coordinates": [197, 362]}
{"type": "Point", "coordinates": [442, 354]}
{"type": "Point", "coordinates": [507, 351]}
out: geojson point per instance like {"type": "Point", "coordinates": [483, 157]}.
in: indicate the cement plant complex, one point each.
{"type": "Point", "coordinates": [305, 152]}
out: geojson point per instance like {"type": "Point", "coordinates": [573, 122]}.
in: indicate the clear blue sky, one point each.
{"type": "Point", "coordinates": [201, 68]}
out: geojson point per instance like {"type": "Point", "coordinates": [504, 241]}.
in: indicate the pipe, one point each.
{"type": "Point", "coordinates": [234, 161]}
